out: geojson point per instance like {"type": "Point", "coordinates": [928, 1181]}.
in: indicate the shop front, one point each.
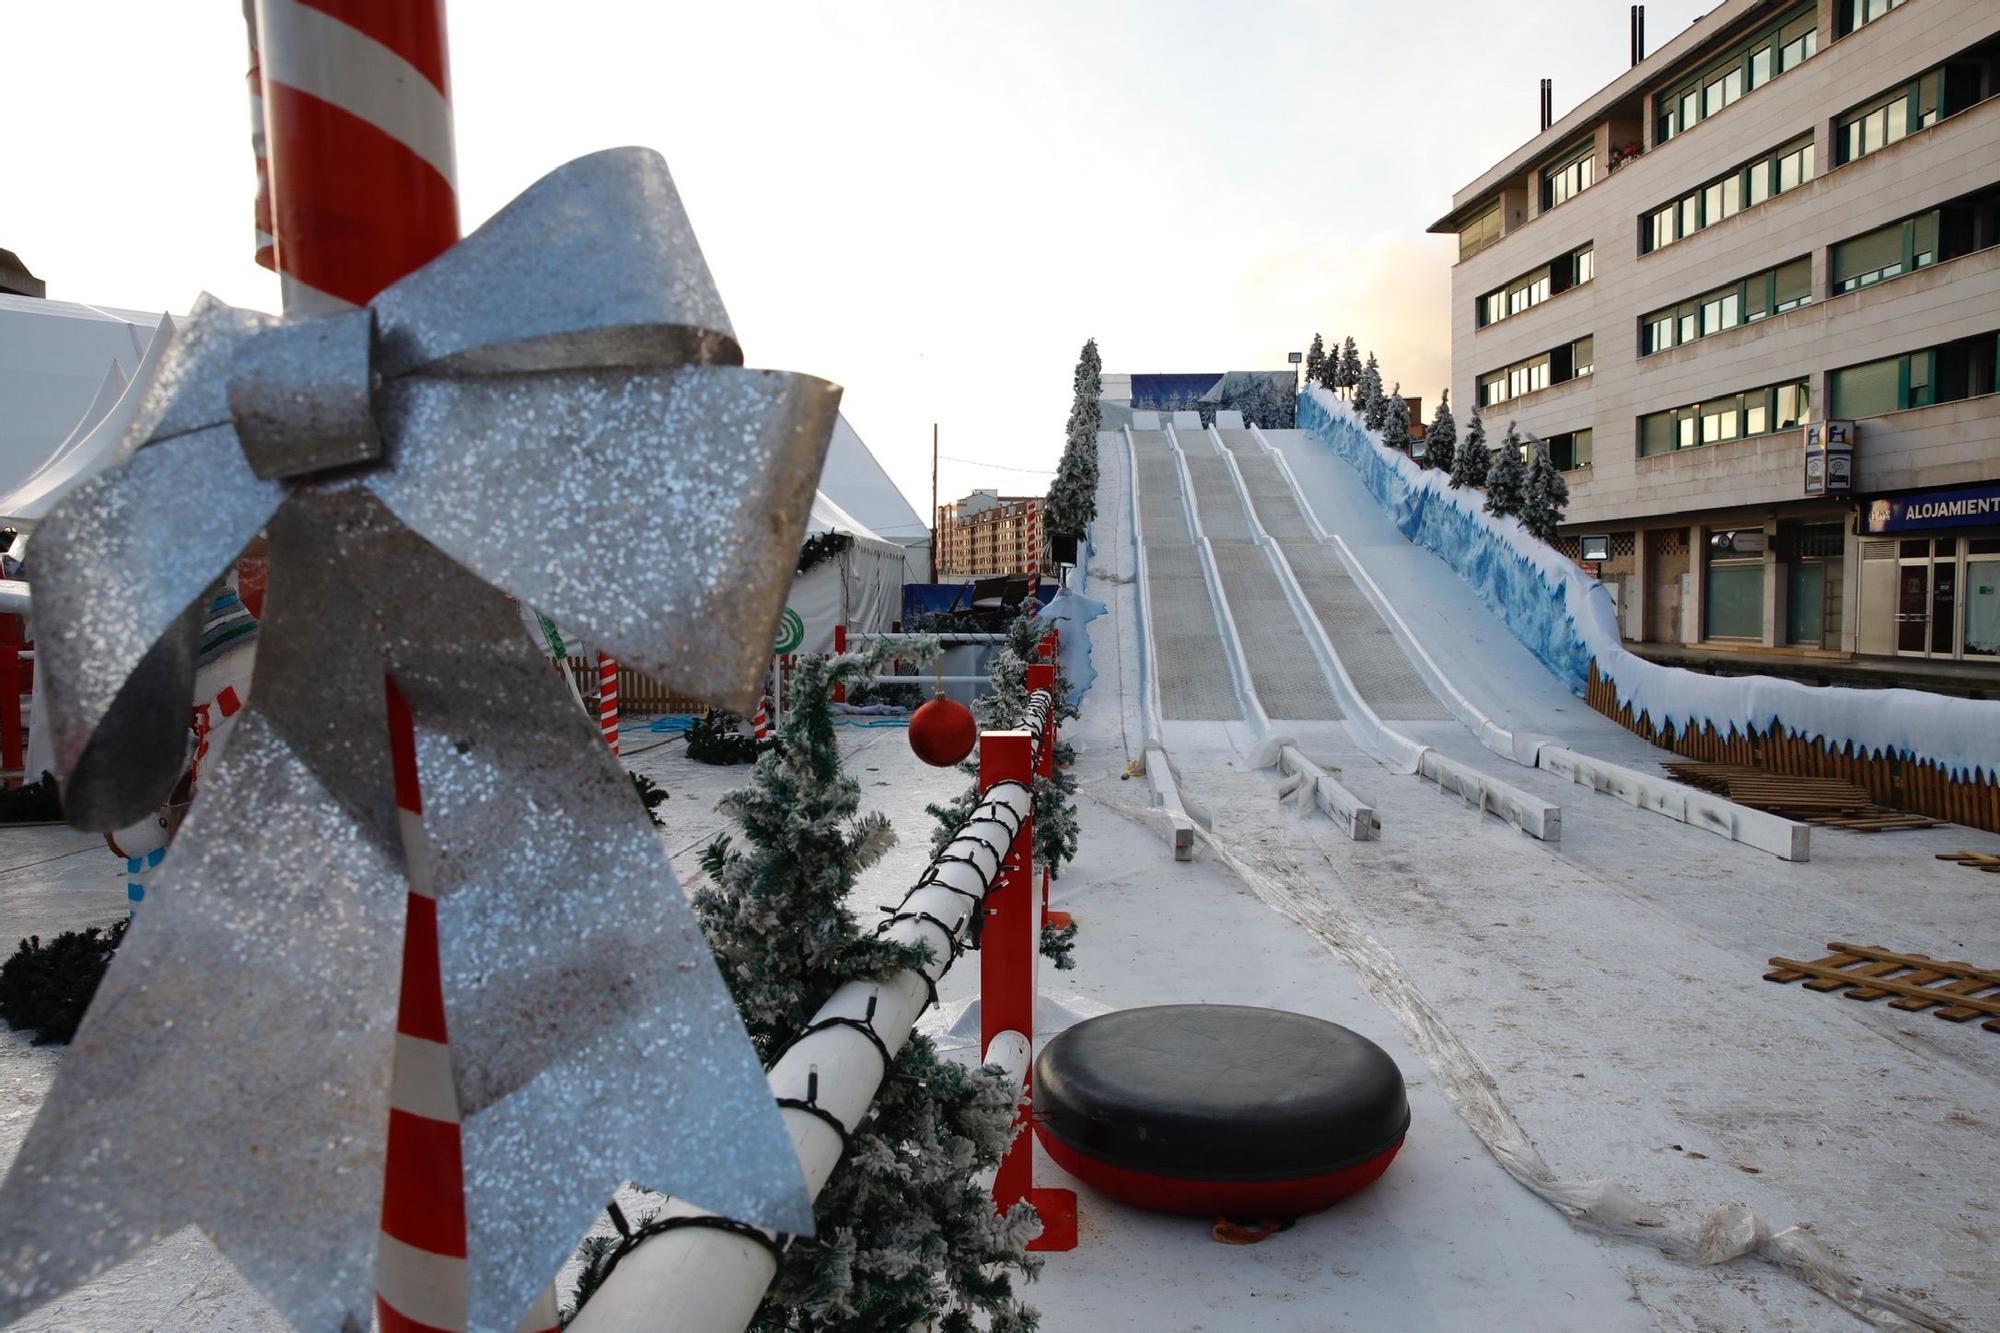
{"type": "Point", "coordinates": [1930, 574]}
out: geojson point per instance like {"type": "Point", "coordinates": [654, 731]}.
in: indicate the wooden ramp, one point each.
{"type": "Point", "coordinates": [1957, 991]}
{"type": "Point", "coordinates": [1829, 802]}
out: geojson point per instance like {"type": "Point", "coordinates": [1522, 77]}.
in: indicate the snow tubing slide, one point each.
{"type": "Point", "coordinates": [1219, 1109]}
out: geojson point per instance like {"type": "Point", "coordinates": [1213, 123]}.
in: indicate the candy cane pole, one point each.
{"type": "Point", "coordinates": [363, 189]}
{"type": "Point", "coordinates": [607, 699]}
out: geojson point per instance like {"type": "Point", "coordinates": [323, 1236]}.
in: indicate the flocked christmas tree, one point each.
{"type": "Point", "coordinates": [906, 1239]}
{"type": "Point", "coordinates": [1349, 374]}
{"type": "Point", "coordinates": [1369, 398]}
{"type": "Point", "coordinates": [1507, 481]}
{"type": "Point", "coordinates": [1396, 421]}
{"type": "Point", "coordinates": [1470, 466]}
{"type": "Point", "coordinates": [1315, 360]}
{"type": "Point", "coordinates": [1002, 707]}
{"type": "Point", "coordinates": [1441, 440]}
{"type": "Point", "coordinates": [1545, 497]}
{"type": "Point", "coordinates": [1072, 501]}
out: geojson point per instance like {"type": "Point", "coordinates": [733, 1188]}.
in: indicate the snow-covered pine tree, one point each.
{"type": "Point", "coordinates": [1506, 482]}
{"type": "Point", "coordinates": [1470, 467]}
{"type": "Point", "coordinates": [1546, 496]}
{"type": "Point", "coordinates": [1441, 440]}
{"type": "Point", "coordinates": [1373, 403]}
{"type": "Point", "coordinates": [1072, 498]}
{"type": "Point", "coordinates": [1350, 367]}
{"type": "Point", "coordinates": [1396, 420]}
{"type": "Point", "coordinates": [906, 1238]}
{"type": "Point", "coordinates": [1315, 360]}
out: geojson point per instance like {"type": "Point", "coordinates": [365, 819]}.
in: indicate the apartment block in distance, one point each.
{"type": "Point", "coordinates": [1748, 294]}
{"type": "Point", "coordinates": [988, 534]}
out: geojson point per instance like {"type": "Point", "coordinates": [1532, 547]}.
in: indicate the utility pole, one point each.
{"type": "Point", "coordinates": [936, 527]}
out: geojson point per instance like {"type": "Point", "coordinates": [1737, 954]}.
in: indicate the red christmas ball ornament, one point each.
{"type": "Point", "coordinates": [943, 732]}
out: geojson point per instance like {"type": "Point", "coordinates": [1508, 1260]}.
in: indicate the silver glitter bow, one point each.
{"type": "Point", "coordinates": [554, 409]}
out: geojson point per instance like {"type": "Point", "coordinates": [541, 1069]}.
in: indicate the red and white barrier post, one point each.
{"type": "Point", "coordinates": [1009, 947]}
{"type": "Point", "coordinates": [607, 699]}
{"type": "Point", "coordinates": [363, 189]}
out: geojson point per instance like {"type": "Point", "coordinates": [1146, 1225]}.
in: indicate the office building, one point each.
{"type": "Point", "coordinates": [1748, 294]}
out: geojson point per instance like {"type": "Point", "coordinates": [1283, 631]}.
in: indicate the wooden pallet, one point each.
{"type": "Point", "coordinates": [1976, 860]}
{"type": "Point", "coordinates": [1828, 802]}
{"type": "Point", "coordinates": [1958, 991]}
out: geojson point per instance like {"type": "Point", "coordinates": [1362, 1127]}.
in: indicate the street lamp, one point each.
{"type": "Point", "coordinates": [1295, 358]}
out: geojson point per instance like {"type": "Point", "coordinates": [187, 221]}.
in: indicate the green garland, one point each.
{"type": "Point", "coordinates": [822, 547]}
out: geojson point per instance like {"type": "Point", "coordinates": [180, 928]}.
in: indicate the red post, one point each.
{"type": "Point", "coordinates": [1008, 950]}
{"type": "Point", "coordinates": [13, 746]}
{"type": "Point", "coordinates": [1042, 676]}
{"type": "Point", "coordinates": [363, 189]}
{"type": "Point", "coordinates": [840, 646]}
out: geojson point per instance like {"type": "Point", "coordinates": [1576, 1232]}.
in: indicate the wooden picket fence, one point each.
{"type": "Point", "coordinates": [637, 691]}
{"type": "Point", "coordinates": [1904, 783]}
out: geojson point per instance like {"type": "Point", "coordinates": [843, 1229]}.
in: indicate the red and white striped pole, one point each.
{"type": "Point", "coordinates": [607, 699]}
{"type": "Point", "coordinates": [362, 190]}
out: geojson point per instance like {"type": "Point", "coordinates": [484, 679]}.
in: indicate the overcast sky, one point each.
{"type": "Point", "coordinates": [931, 203]}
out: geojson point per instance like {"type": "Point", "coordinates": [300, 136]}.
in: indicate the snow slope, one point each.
{"type": "Point", "coordinates": [1565, 618]}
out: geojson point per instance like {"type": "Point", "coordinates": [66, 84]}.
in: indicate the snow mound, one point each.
{"type": "Point", "coordinates": [1565, 618]}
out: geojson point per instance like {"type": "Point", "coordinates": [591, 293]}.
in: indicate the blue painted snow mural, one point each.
{"type": "Point", "coordinates": [1473, 543]}
{"type": "Point", "coordinates": [1566, 618]}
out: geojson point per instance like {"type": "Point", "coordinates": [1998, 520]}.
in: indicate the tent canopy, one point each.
{"type": "Point", "coordinates": [71, 377]}
{"type": "Point", "coordinates": [854, 480]}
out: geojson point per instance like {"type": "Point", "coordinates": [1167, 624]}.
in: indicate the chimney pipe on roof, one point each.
{"type": "Point", "coordinates": [1548, 103]}
{"type": "Point", "coordinates": [1638, 33]}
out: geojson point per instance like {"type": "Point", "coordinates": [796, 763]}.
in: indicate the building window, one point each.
{"type": "Point", "coordinates": [1899, 248]}
{"type": "Point", "coordinates": [1960, 226]}
{"type": "Point", "coordinates": [1753, 412]}
{"type": "Point", "coordinates": [1873, 127]}
{"type": "Point", "coordinates": [1787, 43]}
{"type": "Point", "coordinates": [1756, 297]}
{"type": "Point", "coordinates": [1558, 365]}
{"type": "Point", "coordinates": [1570, 450]}
{"type": "Point", "coordinates": [1569, 174]}
{"type": "Point", "coordinates": [1481, 232]}
{"type": "Point", "coordinates": [1943, 374]}
{"type": "Point", "coordinates": [1853, 14]}
{"type": "Point", "coordinates": [1965, 80]}
{"type": "Point", "coordinates": [1785, 167]}
{"type": "Point", "coordinates": [1531, 289]}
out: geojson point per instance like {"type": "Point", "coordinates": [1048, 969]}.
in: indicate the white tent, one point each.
{"type": "Point", "coordinates": [861, 587]}
{"type": "Point", "coordinates": [70, 377]}
{"type": "Point", "coordinates": [854, 480]}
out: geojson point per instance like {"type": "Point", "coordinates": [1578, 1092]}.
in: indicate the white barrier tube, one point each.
{"type": "Point", "coordinates": [1013, 1053]}
{"type": "Point", "coordinates": [702, 1278]}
